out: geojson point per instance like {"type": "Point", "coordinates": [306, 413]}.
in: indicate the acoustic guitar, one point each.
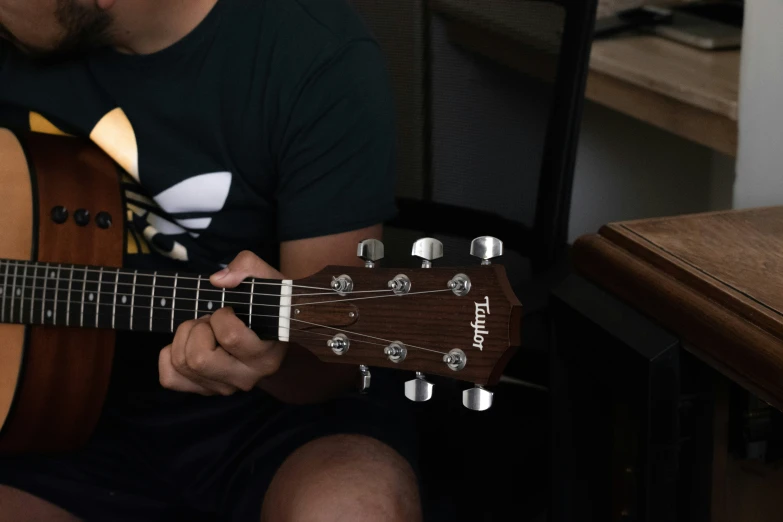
{"type": "Point", "coordinates": [64, 295]}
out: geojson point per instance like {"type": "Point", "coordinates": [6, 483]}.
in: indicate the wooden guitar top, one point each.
{"type": "Point", "coordinates": [713, 279]}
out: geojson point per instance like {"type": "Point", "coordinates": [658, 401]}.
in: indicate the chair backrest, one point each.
{"type": "Point", "coordinates": [489, 96]}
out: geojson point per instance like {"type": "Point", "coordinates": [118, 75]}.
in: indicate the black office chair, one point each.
{"type": "Point", "coordinates": [472, 165]}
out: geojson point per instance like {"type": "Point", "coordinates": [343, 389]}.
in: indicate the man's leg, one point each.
{"type": "Point", "coordinates": [343, 478]}
{"type": "Point", "coordinates": [18, 506]}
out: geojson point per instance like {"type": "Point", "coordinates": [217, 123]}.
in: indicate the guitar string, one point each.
{"type": "Point", "coordinates": [80, 280]}
{"type": "Point", "coordinates": [126, 272]}
{"type": "Point", "coordinates": [111, 273]}
{"type": "Point", "coordinates": [115, 316]}
{"type": "Point", "coordinates": [122, 271]}
{"type": "Point", "coordinates": [23, 296]}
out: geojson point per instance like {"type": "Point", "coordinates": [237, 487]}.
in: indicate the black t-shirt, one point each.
{"type": "Point", "coordinates": [271, 121]}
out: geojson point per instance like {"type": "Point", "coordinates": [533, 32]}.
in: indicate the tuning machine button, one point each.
{"type": "Point", "coordinates": [343, 285]}
{"type": "Point", "coordinates": [477, 399]}
{"type": "Point", "coordinates": [339, 344]}
{"type": "Point", "coordinates": [460, 284]}
{"type": "Point", "coordinates": [428, 249]}
{"type": "Point", "coordinates": [364, 378]}
{"type": "Point", "coordinates": [455, 359]}
{"type": "Point", "coordinates": [419, 389]}
{"type": "Point", "coordinates": [396, 352]}
{"type": "Point", "coordinates": [486, 248]}
{"type": "Point", "coordinates": [371, 251]}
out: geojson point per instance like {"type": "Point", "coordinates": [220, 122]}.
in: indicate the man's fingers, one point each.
{"type": "Point", "coordinates": [245, 265]}
{"type": "Point", "coordinates": [212, 365]}
{"type": "Point", "coordinates": [171, 379]}
{"type": "Point", "coordinates": [240, 341]}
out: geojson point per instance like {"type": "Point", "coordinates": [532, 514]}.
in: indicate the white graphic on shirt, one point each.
{"type": "Point", "coordinates": [184, 208]}
{"type": "Point", "coordinates": [201, 194]}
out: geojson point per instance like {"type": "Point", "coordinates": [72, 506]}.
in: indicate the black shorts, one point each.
{"type": "Point", "coordinates": [170, 456]}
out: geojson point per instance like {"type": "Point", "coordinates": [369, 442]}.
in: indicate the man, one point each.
{"type": "Point", "coordinates": [260, 126]}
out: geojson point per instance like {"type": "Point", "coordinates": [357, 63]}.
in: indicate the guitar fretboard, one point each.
{"type": "Point", "coordinates": [93, 297]}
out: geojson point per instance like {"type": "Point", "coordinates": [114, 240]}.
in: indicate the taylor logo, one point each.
{"type": "Point", "coordinates": [482, 311]}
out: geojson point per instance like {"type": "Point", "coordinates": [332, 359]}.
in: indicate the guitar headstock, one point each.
{"type": "Point", "coordinates": [456, 322]}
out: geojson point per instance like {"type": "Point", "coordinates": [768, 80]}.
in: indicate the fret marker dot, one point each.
{"type": "Point", "coordinates": [124, 299]}
{"type": "Point", "coordinates": [91, 297]}
{"type": "Point", "coordinates": [162, 302]}
{"type": "Point", "coordinates": [49, 314]}
{"type": "Point", "coordinates": [209, 305]}
{"type": "Point", "coordinates": [52, 275]}
{"type": "Point", "coordinates": [18, 291]}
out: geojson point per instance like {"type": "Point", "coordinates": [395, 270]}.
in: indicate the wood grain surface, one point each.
{"type": "Point", "coordinates": [430, 320]}
{"type": "Point", "coordinates": [66, 371]}
{"type": "Point", "coordinates": [713, 279]}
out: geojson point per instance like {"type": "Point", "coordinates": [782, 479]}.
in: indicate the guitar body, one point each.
{"type": "Point", "coordinates": [62, 239]}
{"type": "Point", "coordinates": [53, 380]}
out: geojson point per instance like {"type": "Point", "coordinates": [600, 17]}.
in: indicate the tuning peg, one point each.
{"type": "Point", "coordinates": [371, 251]}
{"type": "Point", "coordinates": [364, 378]}
{"type": "Point", "coordinates": [486, 248]}
{"type": "Point", "coordinates": [419, 389]}
{"type": "Point", "coordinates": [428, 249]}
{"type": "Point", "coordinates": [477, 399]}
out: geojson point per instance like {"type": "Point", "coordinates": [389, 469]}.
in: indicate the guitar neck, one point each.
{"type": "Point", "coordinates": [54, 294]}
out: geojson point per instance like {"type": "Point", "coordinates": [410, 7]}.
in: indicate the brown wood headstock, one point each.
{"type": "Point", "coordinates": [457, 322]}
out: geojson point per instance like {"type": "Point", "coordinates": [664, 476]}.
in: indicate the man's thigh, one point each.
{"type": "Point", "coordinates": [343, 478]}
{"type": "Point", "coordinates": [18, 506]}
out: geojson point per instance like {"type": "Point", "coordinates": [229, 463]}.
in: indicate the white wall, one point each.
{"type": "Point", "coordinates": [760, 156]}
{"type": "Point", "coordinates": [627, 169]}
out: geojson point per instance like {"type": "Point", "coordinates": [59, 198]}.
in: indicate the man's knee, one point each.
{"type": "Point", "coordinates": [345, 478]}
{"type": "Point", "coordinates": [18, 506]}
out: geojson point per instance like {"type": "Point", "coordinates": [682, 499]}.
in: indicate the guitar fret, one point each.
{"type": "Point", "coordinates": [198, 290]}
{"type": "Point", "coordinates": [56, 293]}
{"type": "Point", "coordinates": [174, 301]}
{"type": "Point", "coordinates": [223, 299]}
{"type": "Point", "coordinates": [32, 295]}
{"type": "Point", "coordinates": [98, 297]}
{"type": "Point", "coordinates": [84, 288]}
{"type": "Point", "coordinates": [250, 313]}
{"type": "Point", "coordinates": [21, 293]}
{"type": "Point", "coordinates": [68, 304]}
{"type": "Point", "coordinates": [152, 299]}
{"type": "Point", "coordinates": [13, 291]}
{"type": "Point", "coordinates": [133, 297]}
{"type": "Point", "coordinates": [43, 299]}
{"type": "Point", "coordinates": [5, 288]}
{"type": "Point", "coordinates": [114, 301]}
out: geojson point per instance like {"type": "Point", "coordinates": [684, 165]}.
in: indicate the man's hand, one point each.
{"type": "Point", "coordinates": [218, 353]}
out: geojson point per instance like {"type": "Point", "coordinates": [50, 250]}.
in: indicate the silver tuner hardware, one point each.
{"type": "Point", "coordinates": [339, 344]}
{"type": "Point", "coordinates": [459, 284]}
{"type": "Point", "coordinates": [371, 251]}
{"type": "Point", "coordinates": [477, 399]}
{"type": "Point", "coordinates": [396, 352]}
{"type": "Point", "coordinates": [486, 248]}
{"type": "Point", "coordinates": [455, 359]}
{"type": "Point", "coordinates": [428, 249]}
{"type": "Point", "coordinates": [401, 284]}
{"type": "Point", "coordinates": [419, 389]}
{"type": "Point", "coordinates": [342, 285]}
{"type": "Point", "coordinates": [364, 378]}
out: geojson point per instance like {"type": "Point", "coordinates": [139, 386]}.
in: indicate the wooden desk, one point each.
{"type": "Point", "coordinates": [685, 91]}
{"type": "Point", "coordinates": [713, 283]}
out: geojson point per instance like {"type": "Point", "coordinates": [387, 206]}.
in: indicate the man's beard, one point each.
{"type": "Point", "coordinates": [84, 30]}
